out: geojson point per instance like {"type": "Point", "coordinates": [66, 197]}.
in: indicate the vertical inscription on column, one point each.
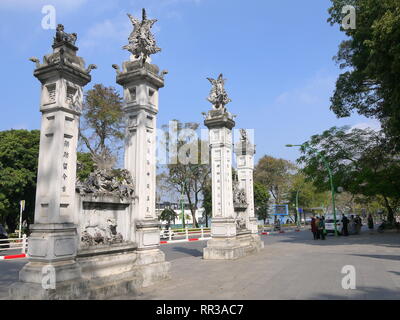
{"type": "Point", "coordinates": [149, 170]}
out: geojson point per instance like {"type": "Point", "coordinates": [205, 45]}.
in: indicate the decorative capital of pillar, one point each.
{"type": "Point", "coordinates": [136, 71]}
{"type": "Point", "coordinates": [63, 61]}
{"type": "Point", "coordinates": [219, 118]}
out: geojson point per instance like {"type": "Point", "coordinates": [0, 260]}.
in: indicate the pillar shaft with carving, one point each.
{"type": "Point", "coordinates": [53, 242]}
{"type": "Point", "coordinates": [141, 83]}
{"type": "Point", "coordinates": [220, 126]}
{"type": "Point", "coordinates": [244, 152]}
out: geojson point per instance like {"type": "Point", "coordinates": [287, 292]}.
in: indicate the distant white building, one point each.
{"type": "Point", "coordinates": [160, 207]}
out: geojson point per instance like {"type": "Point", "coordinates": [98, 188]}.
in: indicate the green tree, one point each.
{"type": "Point", "coordinates": [308, 195]}
{"type": "Point", "coordinates": [187, 175]}
{"type": "Point", "coordinates": [168, 215]}
{"type": "Point", "coordinates": [207, 202]}
{"type": "Point", "coordinates": [370, 60]}
{"type": "Point", "coordinates": [85, 165]}
{"type": "Point", "coordinates": [275, 174]}
{"type": "Point", "coordinates": [261, 201]}
{"type": "Point", "coordinates": [360, 161]}
{"type": "Point", "coordinates": [101, 130]}
{"type": "Point", "coordinates": [19, 152]}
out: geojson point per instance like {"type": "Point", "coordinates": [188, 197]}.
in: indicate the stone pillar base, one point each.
{"type": "Point", "coordinates": [152, 267]}
{"type": "Point", "coordinates": [68, 290]}
{"type": "Point", "coordinates": [104, 272]}
{"type": "Point", "coordinates": [232, 248]}
{"type": "Point", "coordinates": [96, 289]}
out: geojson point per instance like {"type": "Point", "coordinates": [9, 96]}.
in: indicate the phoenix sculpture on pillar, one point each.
{"type": "Point", "coordinates": [218, 96]}
{"type": "Point", "coordinates": [141, 41]}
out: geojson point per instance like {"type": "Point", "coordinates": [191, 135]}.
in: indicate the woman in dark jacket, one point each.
{"type": "Point", "coordinates": [370, 222]}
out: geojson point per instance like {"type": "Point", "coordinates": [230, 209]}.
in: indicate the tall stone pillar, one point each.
{"type": "Point", "coordinates": [244, 151]}
{"type": "Point", "coordinates": [53, 243]}
{"type": "Point", "coordinates": [141, 81]}
{"type": "Point", "coordinates": [220, 124]}
{"type": "Point", "coordinates": [227, 242]}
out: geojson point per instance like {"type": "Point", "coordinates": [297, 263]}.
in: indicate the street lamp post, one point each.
{"type": "Point", "coordinates": [330, 179]}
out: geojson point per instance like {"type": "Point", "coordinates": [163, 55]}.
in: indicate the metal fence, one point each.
{"type": "Point", "coordinates": [184, 235]}
{"type": "Point", "coordinates": [13, 244]}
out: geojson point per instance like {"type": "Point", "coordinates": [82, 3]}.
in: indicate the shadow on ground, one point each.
{"type": "Point", "coordinates": [362, 293]}
{"type": "Point", "coordinates": [376, 256]}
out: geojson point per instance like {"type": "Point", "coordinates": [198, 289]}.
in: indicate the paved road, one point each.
{"type": "Point", "coordinates": [291, 266]}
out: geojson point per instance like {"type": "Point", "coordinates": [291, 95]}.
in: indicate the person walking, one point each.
{"type": "Point", "coordinates": [321, 228]}
{"type": "Point", "coordinates": [352, 225]}
{"type": "Point", "coordinates": [358, 224]}
{"type": "Point", "coordinates": [345, 223]}
{"type": "Point", "coordinates": [314, 228]}
{"type": "Point", "coordinates": [370, 222]}
{"type": "Point", "coordinates": [317, 220]}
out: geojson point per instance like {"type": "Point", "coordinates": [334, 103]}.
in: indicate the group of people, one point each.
{"type": "Point", "coordinates": [318, 227]}
{"type": "Point", "coordinates": [349, 226]}
{"type": "Point", "coordinates": [352, 225]}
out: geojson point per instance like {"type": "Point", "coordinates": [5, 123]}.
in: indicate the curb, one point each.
{"type": "Point", "coordinates": [15, 256]}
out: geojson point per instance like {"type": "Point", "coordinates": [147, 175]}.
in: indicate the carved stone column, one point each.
{"type": "Point", "coordinates": [244, 151]}
{"type": "Point", "coordinates": [141, 81]}
{"type": "Point", "coordinates": [227, 242]}
{"type": "Point", "coordinates": [53, 243]}
{"type": "Point", "coordinates": [220, 124]}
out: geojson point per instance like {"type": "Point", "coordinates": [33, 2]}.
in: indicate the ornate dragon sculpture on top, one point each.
{"type": "Point", "coordinates": [141, 41]}
{"type": "Point", "coordinates": [62, 36]}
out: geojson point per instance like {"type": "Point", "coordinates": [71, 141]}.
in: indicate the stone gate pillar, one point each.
{"type": "Point", "coordinates": [227, 242]}
{"type": "Point", "coordinates": [244, 151]}
{"type": "Point", "coordinates": [53, 243]}
{"type": "Point", "coordinates": [141, 81]}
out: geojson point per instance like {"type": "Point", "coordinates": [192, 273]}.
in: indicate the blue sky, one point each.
{"type": "Point", "coordinates": [276, 55]}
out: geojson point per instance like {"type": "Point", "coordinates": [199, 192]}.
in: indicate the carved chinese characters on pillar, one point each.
{"type": "Point", "coordinates": [65, 163]}
{"type": "Point", "coordinates": [149, 157]}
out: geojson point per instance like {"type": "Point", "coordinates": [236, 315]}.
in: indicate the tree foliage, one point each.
{"type": "Point", "coordinates": [361, 163]}
{"type": "Point", "coordinates": [370, 59]}
{"type": "Point", "coordinates": [188, 175]}
{"type": "Point", "coordinates": [101, 130]}
{"type": "Point", "coordinates": [168, 215]}
{"type": "Point", "coordinates": [275, 175]}
{"type": "Point", "coordinates": [207, 201]}
{"type": "Point", "coordinates": [261, 201]}
{"type": "Point", "coordinates": [85, 165]}
{"type": "Point", "coordinates": [19, 152]}
{"type": "Point", "coordinates": [309, 196]}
